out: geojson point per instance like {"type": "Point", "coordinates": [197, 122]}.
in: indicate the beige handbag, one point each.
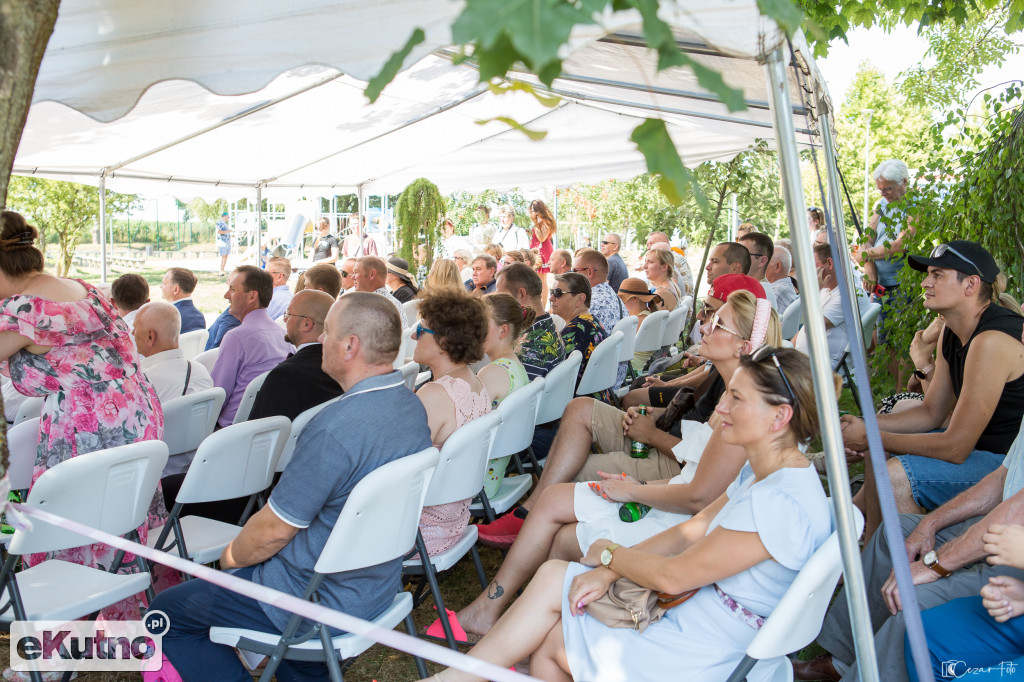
{"type": "Point", "coordinates": [627, 605]}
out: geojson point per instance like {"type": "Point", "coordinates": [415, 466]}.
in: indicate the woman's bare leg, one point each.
{"type": "Point", "coordinates": [526, 625]}
{"type": "Point", "coordinates": [549, 662]}
{"type": "Point", "coordinates": [530, 550]}
{"type": "Point", "coordinates": [566, 545]}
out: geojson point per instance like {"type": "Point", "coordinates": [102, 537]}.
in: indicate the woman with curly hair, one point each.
{"type": "Point", "coordinates": [543, 230]}
{"type": "Point", "coordinates": [449, 338]}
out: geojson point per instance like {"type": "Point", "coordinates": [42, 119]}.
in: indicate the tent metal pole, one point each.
{"type": "Point", "coordinates": [814, 325]}
{"type": "Point", "coordinates": [259, 222]}
{"type": "Point", "coordinates": [103, 226]}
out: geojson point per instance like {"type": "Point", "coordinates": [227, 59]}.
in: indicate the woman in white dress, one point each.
{"type": "Point", "coordinates": [568, 517]}
{"type": "Point", "coordinates": [740, 554]}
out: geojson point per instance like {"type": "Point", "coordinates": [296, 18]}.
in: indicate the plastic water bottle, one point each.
{"type": "Point", "coordinates": [633, 511]}
{"type": "Point", "coordinates": [639, 450]}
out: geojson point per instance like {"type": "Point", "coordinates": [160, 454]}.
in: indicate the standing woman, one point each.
{"type": "Point", "coordinates": [63, 341]}
{"type": "Point", "coordinates": [542, 232]}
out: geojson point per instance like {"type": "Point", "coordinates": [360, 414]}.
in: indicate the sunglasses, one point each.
{"type": "Point", "coordinates": [420, 330]}
{"type": "Point", "coordinates": [765, 352]}
{"type": "Point", "coordinates": [941, 250]}
{"type": "Point", "coordinates": [581, 270]}
{"type": "Point", "coordinates": [756, 255]}
{"type": "Point", "coordinates": [558, 293]}
{"type": "Point", "coordinates": [716, 323]}
{"type": "Point", "coordinates": [606, 243]}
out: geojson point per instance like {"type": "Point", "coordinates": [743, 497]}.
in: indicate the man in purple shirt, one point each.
{"type": "Point", "coordinates": [253, 347]}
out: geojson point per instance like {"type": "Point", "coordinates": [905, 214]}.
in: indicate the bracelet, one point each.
{"type": "Point", "coordinates": [643, 482]}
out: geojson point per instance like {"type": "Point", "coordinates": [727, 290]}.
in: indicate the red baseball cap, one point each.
{"type": "Point", "coordinates": [726, 284]}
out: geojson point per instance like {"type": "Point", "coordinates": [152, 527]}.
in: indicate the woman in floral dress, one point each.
{"type": "Point", "coordinates": [60, 339]}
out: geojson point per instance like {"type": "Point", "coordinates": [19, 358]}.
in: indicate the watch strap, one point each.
{"type": "Point", "coordinates": [938, 568]}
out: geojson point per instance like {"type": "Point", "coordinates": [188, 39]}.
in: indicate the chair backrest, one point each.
{"type": "Point", "coordinates": [602, 367]}
{"type": "Point", "coordinates": [651, 332]}
{"type": "Point", "coordinates": [410, 371]}
{"type": "Point", "coordinates": [463, 461]}
{"type": "Point", "coordinates": [518, 418]}
{"type": "Point", "coordinates": [189, 419]}
{"type": "Point", "coordinates": [868, 320]}
{"type": "Point", "coordinates": [796, 619]}
{"type": "Point", "coordinates": [559, 322]}
{"type": "Point", "coordinates": [674, 326]}
{"type": "Point", "coordinates": [559, 388]}
{"type": "Point", "coordinates": [208, 358]}
{"type": "Point", "coordinates": [791, 319]}
{"type": "Point", "coordinates": [249, 398]}
{"type": "Point", "coordinates": [405, 348]}
{"type": "Point", "coordinates": [381, 515]}
{"type": "Point", "coordinates": [192, 343]}
{"type": "Point", "coordinates": [23, 443]}
{"type": "Point", "coordinates": [236, 461]}
{"type": "Point", "coordinates": [109, 490]}
{"type": "Point", "coordinates": [412, 311]}
{"type": "Point", "coordinates": [627, 326]}
{"type": "Point", "coordinates": [298, 425]}
{"type": "Point", "coordinates": [30, 408]}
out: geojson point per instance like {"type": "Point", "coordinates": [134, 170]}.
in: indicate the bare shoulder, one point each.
{"type": "Point", "coordinates": [997, 353]}
{"type": "Point", "coordinates": [55, 288]}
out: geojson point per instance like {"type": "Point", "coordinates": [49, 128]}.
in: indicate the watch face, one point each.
{"type": "Point", "coordinates": [930, 558]}
{"type": "Point", "coordinates": [606, 557]}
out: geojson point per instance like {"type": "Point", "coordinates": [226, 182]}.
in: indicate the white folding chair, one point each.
{"type": "Point", "coordinates": [299, 424]}
{"type": "Point", "coordinates": [378, 523]}
{"type": "Point", "coordinates": [797, 618]}
{"type": "Point", "coordinates": [30, 408]}
{"type": "Point", "coordinates": [559, 322]}
{"type": "Point", "coordinates": [791, 319]}
{"type": "Point", "coordinates": [559, 389]}
{"type": "Point", "coordinates": [405, 348]}
{"type": "Point", "coordinates": [628, 326]}
{"type": "Point", "coordinates": [412, 311]}
{"type": "Point", "coordinates": [868, 320]}
{"type": "Point", "coordinates": [515, 433]}
{"type": "Point", "coordinates": [602, 367]}
{"type": "Point", "coordinates": [650, 334]}
{"type": "Point", "coordinates": [249, 398]}
{"type": "Point", "coordinates": [459, 475]}
{"type": "Point", "coordinates": [188, 420]}
{"type": "Point", "coordinates": [208, 358]}
{"type": "Point", "coordinates": [192, 343]}
{"type": "Point", "coordinates": [674, 326]}
{"type": "Point", "coordinates": [236, 461]}
{"type": "Point", "coordinates": [23, 444]}
{"type": "Point", "coordinates": [409, 372]}
{"type": "Point", "coordinates": [109, 490]}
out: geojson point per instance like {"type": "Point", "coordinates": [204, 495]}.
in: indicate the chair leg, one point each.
{"type": "Point", "coordinates": [533, 461]}
{"type": "Point", "coordinates": [740, 672]}
{"type": "Point", "coordinates": [410, 628]}
{"type": "Point", "coordinates": [481, 576]}
{"type": "Point", "coordinates": [435, 590]}
{"type": "Point", "coordinates": [518, 464]}
{"type": "Point", "coordinates": [488, 509]}
{"type": "Point", "coordinates": [333, 666]}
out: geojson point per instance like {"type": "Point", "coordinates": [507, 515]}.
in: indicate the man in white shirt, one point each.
{"type": "Point", "coordinates": [831, 307]}
{"type": "Point", "coordinates": [280, 269]}
{"type": "Point", "coordinates": [157, 326]}
{"type": "Point", "coordinates": [778, 275]}
{"type": "Point", "coordinates": [761, 249]}
{"type": "Point", "coordinates": [508, 236]}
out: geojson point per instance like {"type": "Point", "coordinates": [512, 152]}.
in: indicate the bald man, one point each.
{"type": "Point", "coordinates": [299, 382]}
{"type": "Point", "coordinates": [157, 327]}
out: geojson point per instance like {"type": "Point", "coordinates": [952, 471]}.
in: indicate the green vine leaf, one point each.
{"type": "Point", "coordinates": [550, 101]}
{"type": "Point", "coordinates": [675, 180]}
{"type": "Point", "coordinates": [535, 135]}
{"type": "Point", "coordinates": [392, 66]}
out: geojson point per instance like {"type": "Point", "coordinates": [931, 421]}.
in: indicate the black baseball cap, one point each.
{"type": "Point", "coordinates": [970, 258]}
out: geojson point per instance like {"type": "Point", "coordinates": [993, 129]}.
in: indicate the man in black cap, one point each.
{"type": "Point", "coordinates": [977, 380]}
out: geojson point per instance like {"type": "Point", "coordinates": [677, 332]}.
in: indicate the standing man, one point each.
{"type": "Point", "coordinates": [370, 275]}
{"type": "Point", "coordinates": [281, 543]}
{"type": "Point", "coordinates": [252, 348]}
{"type": "Point", "coordinates": [325, 247]}
{"type": "Point", "coordinates": [299, 382]}
{"type": "Point", "coordinates": [482, 282]}
{"type": "Point", "coordinates": [280, 269]}
{"type": "Point", "coordinates": [541, 347]}
{"type": "Point", "coordinates": [617, 270]}
{"type": "Point", "coordinates": [777, 275]}
{"type": "Point", "coordinates": [223, 240]}
{"type": "Point", "coordinates": [176, 287]}
{"type": "Point", "coordinates": [761, 249]}
{"type": "Point", "coordinates": [684, 275]}
{"type": "Point", "coordinates": [508, 236]}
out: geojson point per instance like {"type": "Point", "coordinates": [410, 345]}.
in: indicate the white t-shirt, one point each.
{"type": "Point", "coordinates": [838, 337]}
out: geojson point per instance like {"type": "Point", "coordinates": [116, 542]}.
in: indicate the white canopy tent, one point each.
{"type": "Point", "coordinates": [220, 98]}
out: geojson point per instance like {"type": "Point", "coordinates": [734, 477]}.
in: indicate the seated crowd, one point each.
{"type": "Point", "coordinates": [693, 480]}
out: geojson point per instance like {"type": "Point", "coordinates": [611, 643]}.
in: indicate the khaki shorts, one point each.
{"type": "Point", "coordinates": [612, 451]}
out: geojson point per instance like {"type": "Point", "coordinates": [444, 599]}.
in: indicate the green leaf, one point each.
{"type": "Point", "coordinates": [676, 180]}
{"type": "Point", "coordinates": [549, 101]}
{"type": "Point", "coordinates": [784, 12]}
{"type": "Point", "coordinates": [535, 135]}
{"type": "Point", "coordinates": [392, 66]}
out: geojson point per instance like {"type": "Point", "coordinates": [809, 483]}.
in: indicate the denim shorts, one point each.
{"type": "Point", "coordinates": [934, 482]}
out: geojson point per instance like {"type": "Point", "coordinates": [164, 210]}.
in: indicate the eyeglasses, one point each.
{"type": "Point", "coordinates": [716, 323]}
{"type": "Point", "coordinates": [765, 352]}
{"type": "Point", "coordinates": [756, 255]}
{"type": "Point", "coordinates": [305, 317]}
{"type": "Point", "coordinates": [582, 270]}
{"type": "Point", "coordinates": [420, 330]}
{"type": "Point", "coordinates": [607, 243]}
{"type": "Point", "coordinates": [558, 293]}
{"type": "Point", "coordinates": [940, 251]}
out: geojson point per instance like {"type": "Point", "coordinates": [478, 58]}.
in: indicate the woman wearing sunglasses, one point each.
{"type": "Point", "coordinates": [568, 517]}
{"type": "Point", "coordinates": [570, 300]}
{"type": "Point", "coordinates": [740, 554]}
{"type": "Point", "coordinates": [449, 337]}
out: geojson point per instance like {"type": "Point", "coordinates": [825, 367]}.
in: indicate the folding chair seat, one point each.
{"type": "Point", "coordinates": [378, 523]}
{"type": "Point", "coordinates": [602, 367]}
{"type": "Point", "coordinates": [109, 490]}
{"type": "Point", "coordinates": [236, 461]}
{"type": "Point", "coordinates": [459, 475]}
{"type": "Point", "coordinates": [188, 420]}
{"type": "Point", "coordinates": [249, 398]}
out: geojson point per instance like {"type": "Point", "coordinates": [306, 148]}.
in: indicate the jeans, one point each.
{"type": "Point", "coordinates": [193, 608]}
{"type": "Point", "coordinates": [933, 482]}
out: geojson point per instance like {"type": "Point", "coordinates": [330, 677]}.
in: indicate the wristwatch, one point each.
{"type": "Point", "coordinates": [606, 554]}
{"type": "Point", "coordinates": [931, 560]}
{"type": "Point", "coordinates": [922, 374]}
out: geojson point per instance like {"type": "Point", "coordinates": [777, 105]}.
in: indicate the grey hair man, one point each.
{"type": "Point", "coordinates": [617, 270]}
{"type": "Point", "coordinates": [777, 275]}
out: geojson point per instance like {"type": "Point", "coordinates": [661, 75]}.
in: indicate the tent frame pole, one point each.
{"type": "Point", "coordinates": [824, 389]}
{"type": "Point", "coordinates": [103, 226]}
{"type": "Point", "coordinates": [259, 223]}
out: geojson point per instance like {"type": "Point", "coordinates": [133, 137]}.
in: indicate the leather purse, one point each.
{"type": "Point", "coordinates": [627, 605]}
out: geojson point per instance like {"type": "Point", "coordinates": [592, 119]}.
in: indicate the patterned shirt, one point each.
{"type": "Point", "coordinates": [583, 333]}
{"type": "Point", "coordinates": [541, 348]}
{"type": "Point", "coordinates": [606, 306]}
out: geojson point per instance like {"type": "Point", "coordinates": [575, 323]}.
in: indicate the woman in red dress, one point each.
{"type": "Point", "coordinates": [543, 231]}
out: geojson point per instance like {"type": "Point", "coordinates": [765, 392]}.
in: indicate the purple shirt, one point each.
{"type": "Point", "coordinates": [250, 349]}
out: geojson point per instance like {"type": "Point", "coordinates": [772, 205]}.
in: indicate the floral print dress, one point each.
{"type": "Point", "coordinates": [96, 397]}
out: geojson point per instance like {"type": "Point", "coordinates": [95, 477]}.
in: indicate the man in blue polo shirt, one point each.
{"type": "Point", "coordinates": [280, 544]}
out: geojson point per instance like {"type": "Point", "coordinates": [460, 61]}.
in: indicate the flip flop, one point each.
{"type": "Point", "coordinates": [436, 631]}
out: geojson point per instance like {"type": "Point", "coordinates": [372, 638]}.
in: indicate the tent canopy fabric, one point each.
{"type": "Point", "coordinates": [212, 98]}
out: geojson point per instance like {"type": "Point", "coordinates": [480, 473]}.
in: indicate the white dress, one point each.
{"type": "Point", "coordinates": [702, 639]}
{"type": "Point", "coordinates": [598, 518]}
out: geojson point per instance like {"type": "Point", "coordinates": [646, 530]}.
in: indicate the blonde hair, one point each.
{"type": "Point", "coordinates": [665, 257]}
{"type": "Point", "coordinates": [443, 273]}
{"type": "Point", "coordinates": [744, 306]}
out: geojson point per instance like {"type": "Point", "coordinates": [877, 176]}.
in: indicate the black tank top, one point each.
{"type": "Point", "coordinates": [1002, 428]}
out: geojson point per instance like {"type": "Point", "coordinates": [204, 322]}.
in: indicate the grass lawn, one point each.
{"type": "Point", "coordinates": [208, 296]}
